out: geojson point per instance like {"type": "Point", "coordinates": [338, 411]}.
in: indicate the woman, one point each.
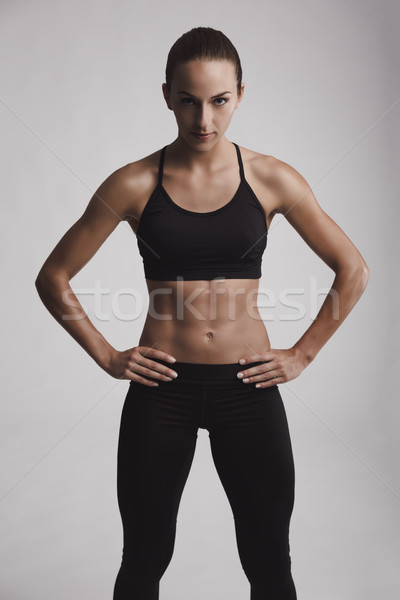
{"type": "Point", "coordinates": [201, 209]}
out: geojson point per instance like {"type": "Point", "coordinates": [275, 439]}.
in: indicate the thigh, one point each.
{"type": "Point", "coordinates": [155, 453]}
{"type": "Point", "coordinates": [252, 452]}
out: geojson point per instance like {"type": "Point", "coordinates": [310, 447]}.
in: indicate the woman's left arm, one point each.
{"type": "Point", "coordinates": [296, 201]}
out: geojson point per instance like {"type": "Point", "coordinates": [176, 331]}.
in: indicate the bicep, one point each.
{"type": "Point", "coordinates": [108, 206]}
{"type": "Point", "coordinates": [322, 234]}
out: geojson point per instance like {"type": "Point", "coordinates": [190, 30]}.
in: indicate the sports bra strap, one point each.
{"type": "Point", "coordinates": [161, 166]}
{"type": "Point", "coordinates": [240, 162]}
{"type": "Point", "coordinates": [162, 156]}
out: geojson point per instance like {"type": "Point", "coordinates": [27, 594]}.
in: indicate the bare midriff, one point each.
{"type": "Point", "coordinates": [211, 322]}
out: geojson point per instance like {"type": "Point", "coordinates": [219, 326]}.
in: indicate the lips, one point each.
{"type": "Point", "coordinates": [202, 136]}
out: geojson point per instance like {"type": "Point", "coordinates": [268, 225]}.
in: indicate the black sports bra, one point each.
{"type": "Point", "coordinates": [180, 244]}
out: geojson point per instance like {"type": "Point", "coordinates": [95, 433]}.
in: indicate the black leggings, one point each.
{"type": "Point", "coordinates": [252, 452]}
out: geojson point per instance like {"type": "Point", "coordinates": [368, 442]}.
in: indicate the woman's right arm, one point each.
{"type": "Point", "coordinates": [110, 204]}
{"type": "Point", "coordinates": [113, 202]}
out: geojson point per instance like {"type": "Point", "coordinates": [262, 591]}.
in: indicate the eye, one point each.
{"type": "Point", "coordinates": [184, 100]}
{"type": "Point", "coordinates": [224, 99]}
{"type": "Point", "coordinates": [188, 101]}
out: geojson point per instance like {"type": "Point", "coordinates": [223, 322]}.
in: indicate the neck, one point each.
{"type": "Point", "coordinates": [201, 157]}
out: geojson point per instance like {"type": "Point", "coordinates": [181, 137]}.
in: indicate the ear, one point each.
{"type": "Point", "coordinates": [166, 95]}
{"type": "Point", "coordinates": [240, 98]}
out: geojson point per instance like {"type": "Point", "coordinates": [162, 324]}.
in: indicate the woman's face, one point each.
{"type": "Point", "coordinates": [203, 98]}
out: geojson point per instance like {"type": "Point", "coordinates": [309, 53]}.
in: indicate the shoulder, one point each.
{"type": "Point", "coordinates": [275, 183]}
{"type": "Point", "coordinates": [129, 186]}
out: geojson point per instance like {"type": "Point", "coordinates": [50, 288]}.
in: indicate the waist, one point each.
{"type": "Point", "coordinates": [205, 342]}
{"type": "Point", "coordinates": [207, 371]}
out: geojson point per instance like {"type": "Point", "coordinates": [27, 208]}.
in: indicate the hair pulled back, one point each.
{"type": "Point", "coordinates": [202, 43]}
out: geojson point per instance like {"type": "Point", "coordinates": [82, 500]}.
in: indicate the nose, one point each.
{"type": "Point", "coordinates": [204, 118]}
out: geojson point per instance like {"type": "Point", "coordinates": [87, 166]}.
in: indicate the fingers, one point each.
{"type": "Point", "coordinates": [155, 370]}
{"type": "Point", "coordinates": [152, 368]}
{"type": "Point", "coordinates": [269, 376]}
{"type": "Point", "coordinates": [154, 353]}
{"type": "Point", "coordinates": [268, 355]}
{"type": "Point", "coordinates": [256, 371]}
{"type": "Point", "coordinates": [267, 371]}
{"type": "Point", "coordinates": [270, 382]}
{"type": "Point", "coordinates": [136, 377]}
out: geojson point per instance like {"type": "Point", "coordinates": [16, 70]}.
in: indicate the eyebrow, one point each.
{"type": "Point", "coordinates": [216, 96]}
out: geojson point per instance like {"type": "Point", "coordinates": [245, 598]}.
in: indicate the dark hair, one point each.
{"type": "Point", "coordinates": [202, 43]}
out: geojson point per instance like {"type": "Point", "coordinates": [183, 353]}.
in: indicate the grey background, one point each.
{"type": "Point", "coordinates": [80, 97]}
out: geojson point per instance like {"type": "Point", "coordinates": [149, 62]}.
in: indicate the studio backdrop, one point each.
{"type": "Point", "coordinates": [80, 97]}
